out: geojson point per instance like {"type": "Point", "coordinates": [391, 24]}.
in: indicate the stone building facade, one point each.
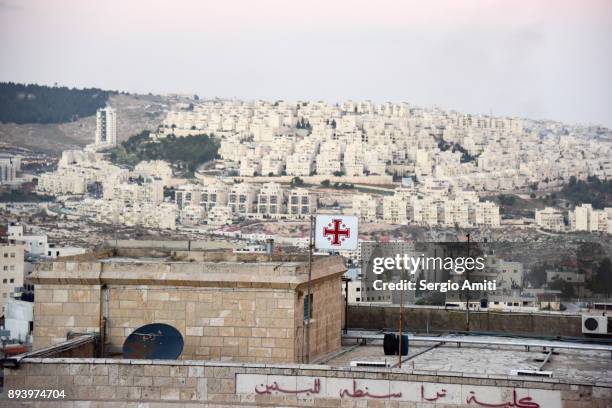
{"type": "Point", "coordinates": [225, 311]}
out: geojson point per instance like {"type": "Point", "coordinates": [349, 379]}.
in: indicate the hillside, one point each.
{"type": "Point", "coordinates": [32, 103]}
{"type": "Point", "coordinates": [134, 113]}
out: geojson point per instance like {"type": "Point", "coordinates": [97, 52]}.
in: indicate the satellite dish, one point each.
{"type": "Point", "coordinates": [156, 341]}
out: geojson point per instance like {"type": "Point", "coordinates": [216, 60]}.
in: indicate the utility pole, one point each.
{"type": "Point", "coordinates": [401, 328]}
{"type": "Point", "coordinates": [467, 296]}
{"type": "Point", "coordinates": [309, 291]}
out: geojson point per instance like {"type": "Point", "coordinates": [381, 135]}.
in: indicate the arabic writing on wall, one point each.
{"type": "Point", "coordinates": [433, 393]}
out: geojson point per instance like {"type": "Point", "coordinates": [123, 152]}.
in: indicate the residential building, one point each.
{"type": "Point", "coordinates": [301, 203]}
{"type": "Point", "coordinates": [106, 127]}
{"type": "Point", "coordinates": [271, 200]}
{"type": "Point", "coordinates": [12, 272]}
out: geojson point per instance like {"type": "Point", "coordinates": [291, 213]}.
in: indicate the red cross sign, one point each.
{"type": "Point", "coordinates": [336, 232]}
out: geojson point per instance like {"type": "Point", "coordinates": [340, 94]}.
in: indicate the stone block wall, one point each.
{"type": "Point", "coordinates": [216, 323]}
{"type": "Point", "coordinates": [60, 309]}
{"type": "Point", "coordinates": [326, 323]}
{"type": "Point", "coordinates": [146, 383]}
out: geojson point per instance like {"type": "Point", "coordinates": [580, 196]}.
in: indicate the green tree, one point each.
{"type": "Point", "coordinates": [604, 277]}
{"type": "Point", "coordinates": [297, 182]}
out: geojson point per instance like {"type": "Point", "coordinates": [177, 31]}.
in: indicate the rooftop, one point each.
{"type": "Point", "coordinates": [500, 360]}
{"type": "Point", "coordinates": [177, 263]}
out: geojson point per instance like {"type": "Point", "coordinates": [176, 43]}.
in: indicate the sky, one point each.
{"type": "Point", "coordinates": [543, 59]}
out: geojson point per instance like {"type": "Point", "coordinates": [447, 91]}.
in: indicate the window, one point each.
{"type": "Point", "coordinates": [3, 280]}
{"type": "Point", "coordinates": [358, 299]}
{"type": "Point", "coordinates": [308, 306]}
{"type": "Point", "coordinates": [12, 254]}
{"type": "Point", "coordinates": [12, 280]}
{"type": "Point", "coordinates": [358, 289]}
{"type": "Point", "coordinates": [6, 254]}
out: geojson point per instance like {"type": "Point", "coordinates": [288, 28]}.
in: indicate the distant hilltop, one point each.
{"type": "Point", "coordinates": [41, 104]}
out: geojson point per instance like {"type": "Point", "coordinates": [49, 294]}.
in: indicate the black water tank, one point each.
{"type": "Point", "coordinates": [390, 344]}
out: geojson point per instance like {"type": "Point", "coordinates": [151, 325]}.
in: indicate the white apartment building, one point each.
{"type": "Point", "coordinates": [9, 167]}
{"type": "Point", "coordinates": [271, 200]}
{"type": "Point", "coordinates": [395, 208]}
{"type": "Point", "coordinates": [12, 271]}
{"type": "Point", "coordinates": [243, 198]}
{"type": "Point", "coordinates": [567, 276]}
{"type": "Point", "coordinates": [61, 183]}
{"type": "Point", "coordinates": [550, 219]}
{"type": "Point", "coordinates": [454, 213]}
{"type": "Point", "coordinates": [106, 127]}
{"type": "Point", "coordinates": [585, 218]}
{"type": "Point", "coordinates": [213, 195]}
{"type": "Point", "coordinates": [366, 207]}
{"type": "Point", "coordinates": [192, 214]}
{"type": "Point", "coordinates": [155, 168]}
{"type": "Point", "coordinates": [353, 160]}
{"type": "Point", "coordinates": [300, 164]}
{"type": "Point", "coordinates": [329, 159]}
{"type": "Point", "coordinates": [149, 189]}
{"type": "Point", "coordinates": [271, 166]}
{"type": "Point", "coordinates": [301, 203]}
{"type": "Point", "coordinates": [220, 215]}
{"type": "Point", "coordinates": [188, 195]}
{"type": "Point", "coordinates": [250, 166]}
{"type": "Point", "coordinates": [486, 214]}
{"type": "Point", "coordinates": [33, 244]}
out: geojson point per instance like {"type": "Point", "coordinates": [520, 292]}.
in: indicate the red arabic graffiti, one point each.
{"type": "Point", "coordinates": [524, 402]}
{"type": "Point", "coordinates": [357, 393]}
{"type": "Point", "coordinates": [439, 395]}
{"type": "Point", "coordinates": [275, 387]}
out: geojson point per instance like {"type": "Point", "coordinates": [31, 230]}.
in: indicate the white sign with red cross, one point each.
{"type": "Point", "coordinates": [336, 232]}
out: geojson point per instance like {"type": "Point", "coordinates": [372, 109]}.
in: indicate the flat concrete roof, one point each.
{"type": "Point", "coordinates": [566, 366]}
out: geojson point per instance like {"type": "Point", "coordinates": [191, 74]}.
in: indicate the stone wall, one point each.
{"type": "Point", "coordinates": [61, 309]}
{"type": "Point", "coordinates": [216, 323]}
{"type": "Point", "coordinates": [229, 311]}
{"type": "Point", "coordinates": [326, 322]}
{"type": "Point", "coordinates": [421, 319]}
{"type": "Point", "coordinates": [233, 324]}
{"type": "Point", "coordinates": [143, 383]}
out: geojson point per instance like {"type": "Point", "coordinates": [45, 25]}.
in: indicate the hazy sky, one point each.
{"type": "Point", "coordinates": [542, 59]}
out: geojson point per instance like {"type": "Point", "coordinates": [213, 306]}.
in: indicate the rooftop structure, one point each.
{"type": "Point", "coordinates": [226, 306]}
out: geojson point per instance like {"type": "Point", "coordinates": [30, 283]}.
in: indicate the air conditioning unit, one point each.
{"type": "Point", "coordinates": [595, 324]}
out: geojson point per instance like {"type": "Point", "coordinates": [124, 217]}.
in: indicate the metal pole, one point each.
{"type": "Point", "coordinates": [467, 295]}
{"type": "Point", "coordinates": [346, 292]}
{"type": "Point", "coordinates": [307, 299]}
{"type": "Point", "coordinates": [399, 364]}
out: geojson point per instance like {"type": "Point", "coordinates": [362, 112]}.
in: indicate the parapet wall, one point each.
{"type": "Point", "coordinates": [199, 383]}
{"type": "Point", "coordinates": [423, 319]}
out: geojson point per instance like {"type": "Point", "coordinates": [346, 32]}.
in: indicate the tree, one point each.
{"type": "Point", "coordinates": [32, 103]}
{"type": "Point", "coordinates": [297, 182]}
{"type": "Point", "coordinates": [338, 173]}
{"type": "Point", "coordinates": [325, 183]}
{"type": "Point", "coordinates": [604, 277]}
{"type": "Point", "coordinates": [566, 288]}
